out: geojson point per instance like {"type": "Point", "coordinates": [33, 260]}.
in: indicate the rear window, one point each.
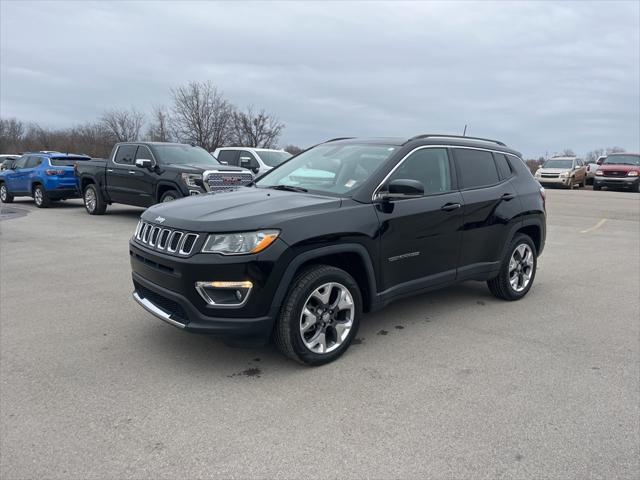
{"type": "Point", "coordinates": [66, 162]}
{"type": "Point", "coordinates": [477, 168]}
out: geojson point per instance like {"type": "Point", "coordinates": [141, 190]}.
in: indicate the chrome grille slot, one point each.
{"type": "Point", "coordinates": [146, 234]}
{"type": "Point", "coordinates": [153, 238]}
{"type": "Point", "coordinates": [188, 243]}
{"type": "Point", "coordinates": [220, 181]}
{"type": "Point", "coordinates": [174, 242]}
{"type": "Point", "coordinates": [164, 239]}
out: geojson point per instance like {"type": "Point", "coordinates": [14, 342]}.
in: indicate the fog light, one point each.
{"type": "Point", "coordinates": [225, 294]}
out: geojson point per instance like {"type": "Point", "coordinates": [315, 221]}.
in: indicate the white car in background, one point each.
{"type": "Point", "coordinates": [258, 160]}
{"type": "Point", "coordinates": [592, 167]}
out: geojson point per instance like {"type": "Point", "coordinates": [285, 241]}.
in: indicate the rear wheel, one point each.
{"type": "Point", "coordinates": [93, 201]}
{"type": "Point", "coordinates": [5, 196]}
{"type": "Point", "coordinates": [40, 197]}
{"type": "Point", "coordinates": [320, 316]}
{"type": "Point", "coordinates": [518, 270]}
{"type": "Point", "coordinates": [170, 196]}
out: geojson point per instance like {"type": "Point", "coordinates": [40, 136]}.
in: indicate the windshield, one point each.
{"type": "Point", "coordinates": [66, 162]}
{"type": "Point", "coordinates": [183, 155]}
{"type": "Point", "coordinates": [558, 164]}
{"type": "Point", "coordinates": [329, 168]}
{"type": "Point", "coordinates": [622, 160]}
{"type": "Point", "coordinates": [273, 159]}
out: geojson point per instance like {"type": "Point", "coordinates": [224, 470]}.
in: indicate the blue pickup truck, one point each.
{"type": "Point", "coordinates": [45, 176]}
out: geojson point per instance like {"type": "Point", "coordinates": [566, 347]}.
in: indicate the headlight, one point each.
{"type": "Point", "coordinates": [190, 179]}
{"type": "Point", "coordinates": [564, 174]}
{"type": "Point", "coordinates": [239, 243]}
{"type": "Point", "coordinates": [632, 173]}
{"type": "Point", "coordinates": [599, 173]}
{"type": "Point", "coordinates": [538, 173]}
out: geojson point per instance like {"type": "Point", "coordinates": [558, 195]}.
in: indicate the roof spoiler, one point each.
{"type": "Point", "coordinates": [435, 135]}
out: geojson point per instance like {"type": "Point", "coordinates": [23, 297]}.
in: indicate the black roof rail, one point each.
{"type": "Point", "coordinates": [338, 138]}
{"type": "Point", "coordinates": [427, 135]}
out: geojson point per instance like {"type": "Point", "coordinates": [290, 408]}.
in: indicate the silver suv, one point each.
{"type": "Point", "coordinates": [562, 171]}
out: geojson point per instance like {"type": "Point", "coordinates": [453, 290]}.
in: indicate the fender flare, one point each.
{"type": "Point", "coordinates": [527, 222]}
{"type": "Point", "coordinates": [166, 183]}
{"type": "Point", "coordinates": [304, 257]}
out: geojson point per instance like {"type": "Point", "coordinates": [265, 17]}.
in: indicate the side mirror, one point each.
{"type": "Point", "coordinates": [222, 162]}
{"type": "Point", "coordinates": [144, 163]}
{"type": "Point", "coordinates": [402, 188]}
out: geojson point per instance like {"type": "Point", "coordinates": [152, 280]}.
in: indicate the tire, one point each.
{"type": "Point", "coordinates": [40, 197]}
{"type": "Point", "coordinates": [5, 196]}
{"type": "Point", "coordinates": [289, 332]}
{"type": "Point", "coordinates": [501, 286]}
{"type": "Point", "coordinates": [169, 196]}
{"type": "Point", "coordinates": [584, 183]}
{"type": "Point", "coordinates": [94, 204]}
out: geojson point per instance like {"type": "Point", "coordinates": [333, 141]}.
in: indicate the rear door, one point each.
{"type": "Point", "coordinates": [229, 157]}
{"type": "Point", "coordinates": [420, 237]}
{"type": "Point", "coordinates": [120, 175]}
{"type": "Point", "coordinates": [491, 208]}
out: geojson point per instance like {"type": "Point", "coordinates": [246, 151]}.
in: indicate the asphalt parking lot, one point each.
{"type": "Point", "coordinates": [451, 384]}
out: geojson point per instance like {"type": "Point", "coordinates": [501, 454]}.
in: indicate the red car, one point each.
{"type": "Point", "coordinates": [619, 170]}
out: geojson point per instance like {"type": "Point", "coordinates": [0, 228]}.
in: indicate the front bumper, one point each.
{"type": "Point", "coordinates": [564, 181]}
{"type": "Point", "coordinates": [164, 285]}
{"type": "Point", "coordinates": [617, 182]}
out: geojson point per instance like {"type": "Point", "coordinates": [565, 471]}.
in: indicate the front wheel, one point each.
{"type": "Point", "coordinates": [94, 204]}
{"type": "Point", "coordinates": [320, 316]}
{"type": "Point", "coordinates": [5, 196]}
{"type": "Point", "coordinates": [518, 270]}
{"type": "Point", "coordinates": [40, 197]}
{"type": "Point", "coordinates": [170, 196]}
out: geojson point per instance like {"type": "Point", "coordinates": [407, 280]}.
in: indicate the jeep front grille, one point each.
{"type": "Point", "coordinates": [167, 240]}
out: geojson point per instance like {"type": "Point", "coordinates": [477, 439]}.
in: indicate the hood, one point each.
{"type": "Point", "coordinates": [243, 209]}
{"type": "Point", "coordinates": [201, 168]}
{"type": "Point", "coordinates": [609, 167]}
{"type": "Point", "coordinates": [554, 170]}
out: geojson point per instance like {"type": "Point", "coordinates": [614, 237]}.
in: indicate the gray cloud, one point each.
{"type": "Point", "coordinates": [541, 76]}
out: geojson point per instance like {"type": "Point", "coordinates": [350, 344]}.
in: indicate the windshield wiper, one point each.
{"type": "Point", "coordinates": [288, 188]}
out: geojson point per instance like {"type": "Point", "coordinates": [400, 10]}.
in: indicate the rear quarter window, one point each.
{"type": "Point", "coordinates": [504, 167]}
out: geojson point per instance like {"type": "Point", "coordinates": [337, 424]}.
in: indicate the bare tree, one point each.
{"type": "Point", "coordinates": [251, 129]}
{"type": "Point", "coordinates": [567, 152]}
{"type": "Point", "coordinates": [293, 149]}
{"type": "Point", "coordinates": [615, 150]}
{"type": "Point", "coordinates": [11, 133]}
{"type": "Point", "coordinates": [124, 125]}
{"type": "Point", "coordinates": [159, 128]}
{"type": "Point", "coordinates": [201, 115]}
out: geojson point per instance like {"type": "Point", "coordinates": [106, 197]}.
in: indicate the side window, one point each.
{"type": "Point", "coordinates": [21, 162]}
{"type": "Point", "coordinates": [33, 161]}
{"type": "Point", "coordinates": [477, 168]}
{"type": "Point", "coordinates": [230, 157]}
{"type": "Point", "coordinates": [144, 152]}
{"type": "Point", "coordinates": [504, 168]}
{"type": "Point", "coordinates": [247, 160]}
{"type": "Point", "coordinates": [125, 154]}
{"type": "Point", "coordinates": [429, 166]}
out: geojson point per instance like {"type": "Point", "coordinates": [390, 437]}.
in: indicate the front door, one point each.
{"type": "Point", "coordinates": [420, 237]}
{"type": "Point", "coordinates": [121, 172]}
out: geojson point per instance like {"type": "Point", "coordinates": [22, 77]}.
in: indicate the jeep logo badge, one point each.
{"type": "Point", "coordinates": [160, 219]}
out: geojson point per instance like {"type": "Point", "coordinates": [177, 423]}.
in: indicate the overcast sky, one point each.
{"type": "Point", "coordinates": [541, 76]}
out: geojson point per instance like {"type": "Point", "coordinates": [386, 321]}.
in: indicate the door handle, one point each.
{"type": "Point", "coordinates": [132, 172]}
{"type": "Point", "coordinates": [508, 196]}
{"type": "Point", "coordinates": [448, 207]}
{"type": "Point", "coordinates": [110, 170]}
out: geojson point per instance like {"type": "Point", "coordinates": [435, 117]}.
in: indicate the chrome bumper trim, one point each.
{"type": "Point", "coordinates": [153, 309]}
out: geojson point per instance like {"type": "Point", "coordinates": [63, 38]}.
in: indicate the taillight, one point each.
{"type": "Point", "coordinates": [54, 172]}
{"type": "Point", "coordinates": [543, 194]}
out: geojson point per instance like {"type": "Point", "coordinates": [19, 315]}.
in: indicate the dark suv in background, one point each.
{"type": "Point", "coordinates": [341, 229]}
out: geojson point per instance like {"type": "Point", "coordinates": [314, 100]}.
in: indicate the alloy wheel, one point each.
{"type": "Point", "coordinates": [521, 267]}
{"type": "Point", "coordinates": [327, 318]}
{"type": "Point", "coordinates": [90, 199]}
{"type": "Point", "coordinates": [3, 193]}
{"type": "Point", "coordinates": [37, 196]}
{"type": "Point", "coordinates": [168, 198]}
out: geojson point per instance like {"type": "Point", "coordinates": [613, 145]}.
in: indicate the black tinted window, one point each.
{"type": "Point", "coordinates": [20, 163]}
{"type": "Point", "coordinates": [504, 169]}
{"type": "Point", "coordinates": [247, 160]}
{"type": "Point", "coordinates": [477, 168]}
{"type": "Point", "coordinates": [125, 154]}
{"type": "Point", "coordinates": [144, 152]}
{"type": "Point", "coordinates": [429, 166]}
{"type": "Point", "coordinates": [230, 157]}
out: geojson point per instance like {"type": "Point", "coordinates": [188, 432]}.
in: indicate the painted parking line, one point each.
{"type": "Point", "coordinates": [595, 227]}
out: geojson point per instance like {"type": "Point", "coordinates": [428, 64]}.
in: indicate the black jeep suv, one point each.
{"type": "Point", "coordinates": [341, 229]}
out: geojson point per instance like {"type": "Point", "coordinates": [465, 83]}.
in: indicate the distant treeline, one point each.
{"type": "Point", "coordinates": [198, 114]}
